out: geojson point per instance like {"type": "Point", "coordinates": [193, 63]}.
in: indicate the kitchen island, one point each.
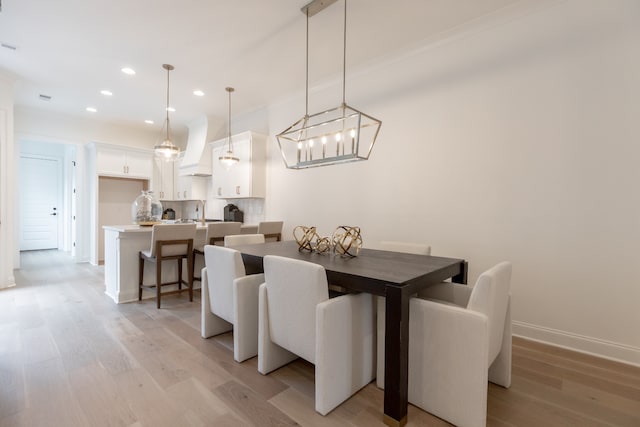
{"type": "Point", "coordinates": [122, 244]}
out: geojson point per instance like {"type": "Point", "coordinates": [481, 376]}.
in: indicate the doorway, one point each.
{"type": "Point", "coordinates": [40, 202]}
{"type": "Point", "coordinates": [40, 190]}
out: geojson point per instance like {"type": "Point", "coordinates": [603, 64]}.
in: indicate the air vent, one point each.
{"type": "Point", "coordinates": [45, 97]}
{"type": "Point", "coordinates": [8, 46]}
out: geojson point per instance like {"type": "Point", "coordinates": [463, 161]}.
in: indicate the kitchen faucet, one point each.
{"type": "Point", "coordinates": [202, 220]}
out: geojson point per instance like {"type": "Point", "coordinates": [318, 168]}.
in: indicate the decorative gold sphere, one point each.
{"type": "Point", "coordinates": [304, 237]}
{"type": "Point", "coordinates": [347, 241]}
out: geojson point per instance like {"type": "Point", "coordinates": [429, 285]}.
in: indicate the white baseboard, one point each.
{"type": "Point", "coordinates": [593, 346]}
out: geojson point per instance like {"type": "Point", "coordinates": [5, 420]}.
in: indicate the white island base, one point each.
{"type": "Point", "coordinates": [122, 245]}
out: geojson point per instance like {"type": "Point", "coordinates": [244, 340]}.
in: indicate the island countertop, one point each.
{"type": "Point", "coordinates": [134, 228]}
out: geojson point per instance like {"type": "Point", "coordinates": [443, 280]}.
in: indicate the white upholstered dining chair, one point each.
{"type": "Point", "coordinates": [243, 239]}
{"type": "Point", "coordinates": [459, 339]}
{"type": "Point", "coordinates": [297, 319]}
{"type": "Point", "coordinates": [406, 247]}
{"type": "Point", "coordinates": [272, 230]}
{"type": "Point", "coordinates": [230, 300]}
{"type": "Point", "coordinates": [394, 246]}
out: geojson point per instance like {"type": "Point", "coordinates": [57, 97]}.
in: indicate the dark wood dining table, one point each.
{"type": "Point", "coordinates": [396, 276]}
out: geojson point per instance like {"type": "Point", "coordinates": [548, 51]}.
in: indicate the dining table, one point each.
{"type": "Point", "coordinates": [394, 275]}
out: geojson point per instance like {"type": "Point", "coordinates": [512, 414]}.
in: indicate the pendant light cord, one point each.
{"type": "Point", "coordinates": [229, 123]}
{"type": "Point", "coordinates": [168, 70]}
{"type": "Point", "coordinates": [229, 143]}
{"type": "Point", "coordinates": [306, 108]}
{"type": "Point", "coordinates": [344, 56]}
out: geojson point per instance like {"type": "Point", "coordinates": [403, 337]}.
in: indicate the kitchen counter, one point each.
{"type": "Point", "coordinates": [122, 244]}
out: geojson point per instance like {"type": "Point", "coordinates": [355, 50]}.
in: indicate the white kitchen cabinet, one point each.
{"type": "Point", "coordinates": [190, 188]}
{"type": "Point", "coordinates": [113, 160]}
{"type": "Point", "coordinates": [163, 179]}
{"type": "Point", "coordinates": [168, 185]}
{"type": "Point", "coordinates": [245, 179]}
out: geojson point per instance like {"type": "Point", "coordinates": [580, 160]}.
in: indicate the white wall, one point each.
{"type": "Point", "coordinates": [515, 141]}
{"type": "Point", "coordinates": [7, 233]}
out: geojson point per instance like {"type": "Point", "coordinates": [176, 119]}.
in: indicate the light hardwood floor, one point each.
{"type": "Point", "coordinates": [69, 356]}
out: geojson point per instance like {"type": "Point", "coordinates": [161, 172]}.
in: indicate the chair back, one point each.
{"type": "Point", "coordinates": [294, 289]}
{"type": "Point", "coordinates": [490, 296]}
{"type": "Point", "coordinates": [272, 230]}
{"type": "Point", "coordinates": [406, 247]}
{"type": "Point", "coordinates": [243, 239]}
{"type": "Point", "coordinates": [168, 232]}
{"type": "Point", "coordinates": [217, 230]}
{"type": "Point", "coordinates": [224, 265]}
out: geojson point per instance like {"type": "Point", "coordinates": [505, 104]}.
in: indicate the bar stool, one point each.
{"type": "Point", "coordinates": [271, 230]}
{"type": "Point", "coordinates": [215, 234]}
{"type": "Point", "coordinates": [169, 242]}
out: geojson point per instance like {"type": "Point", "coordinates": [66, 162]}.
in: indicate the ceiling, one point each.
{"type": "Point", "coordinates": [70, 50]}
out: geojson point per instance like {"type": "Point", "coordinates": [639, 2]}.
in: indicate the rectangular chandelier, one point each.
{"type": "Point", "coordinates": [339, 135]}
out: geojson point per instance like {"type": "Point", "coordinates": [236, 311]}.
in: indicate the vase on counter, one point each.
{"type": "Point", "coordinates": [146, 209]}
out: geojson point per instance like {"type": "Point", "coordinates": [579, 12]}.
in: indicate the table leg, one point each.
{"type": "Point", "coordinates": [462, 277]}
{"type": "Point", "coordinates": [396, 357]}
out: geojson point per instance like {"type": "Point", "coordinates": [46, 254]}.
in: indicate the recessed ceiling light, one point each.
{"type": "Point", "coordinates": [129, 71]}
{"type": "Point", "coordinates": [91, 110]}
{"type": "Point", "coordinates": [149, 122]}
{"type": "Point", "coordinates": [106, 92]}
{"type": "Point", "coordinates": [171, 109]}
{"type": "Point", "coordinates": [198, 93]}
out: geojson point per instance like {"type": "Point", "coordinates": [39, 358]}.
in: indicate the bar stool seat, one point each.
{"type": "Point", "coordinates": [169, 242]}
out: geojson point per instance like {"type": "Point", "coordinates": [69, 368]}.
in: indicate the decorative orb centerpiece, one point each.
{"type": "Point", "coordinates": [323, 244]}
{"type": "Point", "coordinates": [347, 241]}
{"type": "Point", "coordinates": [304, 237]}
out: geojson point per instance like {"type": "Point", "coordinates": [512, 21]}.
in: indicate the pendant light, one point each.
{"type": "Point", "coordinates": [229, 159]}
{"type": "Point", "coordinates": [166, 150]}
{"type": "Point", "coordinates": [339, 135]}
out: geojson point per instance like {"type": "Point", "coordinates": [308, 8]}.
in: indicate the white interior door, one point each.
{"type": "Point", "coordinates": [39, 198]}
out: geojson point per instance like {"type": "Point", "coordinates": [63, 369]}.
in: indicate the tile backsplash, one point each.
{"type": "Point", "coordinates": [253, 209]}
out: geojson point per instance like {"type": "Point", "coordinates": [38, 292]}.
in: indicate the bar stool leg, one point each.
{"type": "Point", "coordinates": [158, 279]}
{"type": "Point", "coordinates": [190, 267]}
{"type": "Point", "coordinates": [140, 276]}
